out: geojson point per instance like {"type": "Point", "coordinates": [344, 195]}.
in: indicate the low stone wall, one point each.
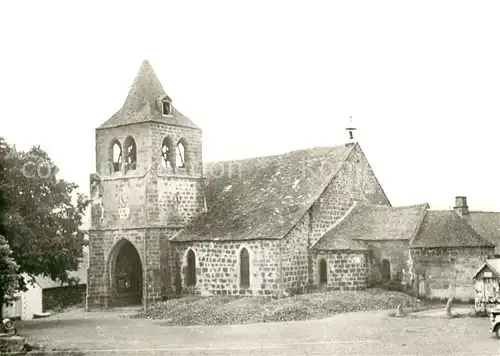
{"type": "Point", "coordinates": [13, 345]}
{"type": "Point", "coordinates": [62, 297]}
{"type": "Point", "coordinates": [346, 270]}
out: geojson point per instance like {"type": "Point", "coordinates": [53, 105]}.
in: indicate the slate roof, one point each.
{"type": "Point", "coordinates": [264, 197]}
{"type": "Point", "coordinates": [373, 222]}
{"type": "Point", "coordinates": [493, 264]}
{"type": "Point", "coordinates": [336, 243]}
{"type": "Point", "coordinates": [46, 282]}
{"type": "Point", "coordinates": [447, 229]}
{"type": "Point", "coordinates": [486, 224]}
{"type": "Point", "coordinates": [140, 105]}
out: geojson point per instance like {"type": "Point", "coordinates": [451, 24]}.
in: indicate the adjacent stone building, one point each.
{"type": "Point", "coordinates": [164, 223]}
{"type": "Point", "coordinates": [445, 254]}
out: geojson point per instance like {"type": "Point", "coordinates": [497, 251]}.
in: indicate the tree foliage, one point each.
{"type": "Point", "coordinates": [9, 278]}
{"type": "Point", "coordinates": [40, 215]}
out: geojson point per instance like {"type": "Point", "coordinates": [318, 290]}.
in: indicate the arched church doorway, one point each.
{"type": "Point", "coordinates": [126, 275]}
{"type": "Point", "coordinates": [386, 270]}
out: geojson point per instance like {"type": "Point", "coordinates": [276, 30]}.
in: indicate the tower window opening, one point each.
{"type": "Point", "coordinates": [166, 153]}
{"type": "Point", "coordinates": [130, 153]}
{"type": "Point", "coordinates": [117, 157]}
{"type": "Point", "coordinates": [180, 161]}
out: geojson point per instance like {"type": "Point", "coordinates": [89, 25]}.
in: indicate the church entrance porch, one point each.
{"type": "Point", "coordinates": [126, 282]}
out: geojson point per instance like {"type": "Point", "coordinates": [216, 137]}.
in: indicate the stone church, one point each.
{"type": "Point", "coordinates": [165, 223]}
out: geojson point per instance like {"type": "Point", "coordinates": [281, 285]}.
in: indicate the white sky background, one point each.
{"type": "Point", "coordinates": [421, 80]}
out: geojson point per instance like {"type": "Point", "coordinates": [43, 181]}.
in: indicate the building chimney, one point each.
{"type": "Point", "coordinates": [461, 207]}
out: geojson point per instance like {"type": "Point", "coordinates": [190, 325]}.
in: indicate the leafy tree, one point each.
{"type": "Point", "coordinates": [9, 283]}
{"type": "Point", "coordinates": [40, 216]}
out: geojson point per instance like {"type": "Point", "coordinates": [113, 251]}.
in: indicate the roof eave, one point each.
{"type": "Point", "coordinates": [105, 127]}
{"type": "Point", "coordinates": [456, 246]}
{"type": "Point", "coordinates": [486, 264]}
{"type": "Point", "coordinates": [340, 249]}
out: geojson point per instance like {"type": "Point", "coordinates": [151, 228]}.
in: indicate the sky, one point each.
{"type": "Point", "coordinates": [420, 79]}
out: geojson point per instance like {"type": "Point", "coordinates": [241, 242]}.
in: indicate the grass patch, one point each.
{"type": "Point", "coordinates": [243, 310]}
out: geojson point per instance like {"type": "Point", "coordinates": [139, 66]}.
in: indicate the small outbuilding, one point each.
{"type": "Point", "coordinates": [487, 285]}
{"type": "Point", "coordinates": [45, 294]}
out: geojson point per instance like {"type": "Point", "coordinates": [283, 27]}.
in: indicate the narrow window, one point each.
{"type": "Point", "coordinates": [323, 273]}
{"type": "Point", "coordinates": [117, 156]}
{"type": "Point", "coordinates": [166, 107]}
{"type": "Point", "coordinates": [130, 153]}
{"type": "Point", "coordinates": [166, 148]}
{"type": "Point", "coordinates": [191, 268]}
{"type": "Point", "coordinates": [244, 269]}
{"type": "Point", "coordinates": [180, 159]}
{"type": "Point", "coordinates": [386, 270]}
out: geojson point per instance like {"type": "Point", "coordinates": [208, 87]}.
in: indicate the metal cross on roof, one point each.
{"type": "Point", "coordinates": [351, 129]}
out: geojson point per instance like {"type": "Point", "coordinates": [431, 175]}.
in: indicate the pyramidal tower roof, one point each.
{"type": "Point", "coordinates": [141, 103]}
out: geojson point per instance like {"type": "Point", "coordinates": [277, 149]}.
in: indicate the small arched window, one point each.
{"type": "Point", "coordinates": [130, 153]}
{"type": "Point", "coordinates": [166, 152]}
{"type": "Point", "coordinates": [116, 156]}
{"type": "Point", "coordinates": [244, 268]}
{"type": "Point", "coordinates": [166, 106]}
{"type": "Point", "coordinates": [323, 272]}
{"type": "Point", "coordinates": [180, 158]}
{"type": "Point", "coordinates": [191, 268]}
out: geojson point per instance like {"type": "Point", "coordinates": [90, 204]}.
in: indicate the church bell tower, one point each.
{"type": "Point", "coordinates": [148, 185]}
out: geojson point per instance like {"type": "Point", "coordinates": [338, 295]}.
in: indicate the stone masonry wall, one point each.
{"type": "Point", "coordinates": [347, 270]}
{"type": "Point", "coordinates": [101, 243]}
{"type": "Point", "coordinates": [396, 252]}
{"type": "Point", "coordinates": [179, 201]}
{"type": "Point", "coordinates": [218, 268]}
{"type": "Point", "coordinates": [121, 203]}
{"type": "Point", "coordinates": [192, 140]}
{"type": "Point", "coordinates": [447, 271]}
{"type": "Point", "coordinates": [103, 249]}
{"type": "Point", "coordinates": [355, 181]}
{"type": "Point", "coordinates": [294, 256]}
{"type": "Point", "coordinates": [171, 196]}
{"type": "Point", "coordinates": [145, 205]}
{"type": "Point", "coordinates": [149, 138]}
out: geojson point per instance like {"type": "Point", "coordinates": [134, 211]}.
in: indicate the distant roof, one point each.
{"type": "Point", "coordinates": [46, 282]}
{"type": "Point", "coordinates": [373, 222]}
{"type": "Point", "coordinates": [334, 243]}
{"type": "Point", "coordinates": [263, 198]}
{"type": "Point", "coordinates": [447, 229]}
{"type": "Point", "coordinates": [486, 224]}
{"type": "Point", "coordinates": [493, 264]}
{"type": "Point", "coordinates": [140, 105]}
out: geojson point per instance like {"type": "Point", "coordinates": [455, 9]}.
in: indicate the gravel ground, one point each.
{"type": "Point", "coordinates": [360, 333]}
{"type": "Point", "coordinates": [236, 310]}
